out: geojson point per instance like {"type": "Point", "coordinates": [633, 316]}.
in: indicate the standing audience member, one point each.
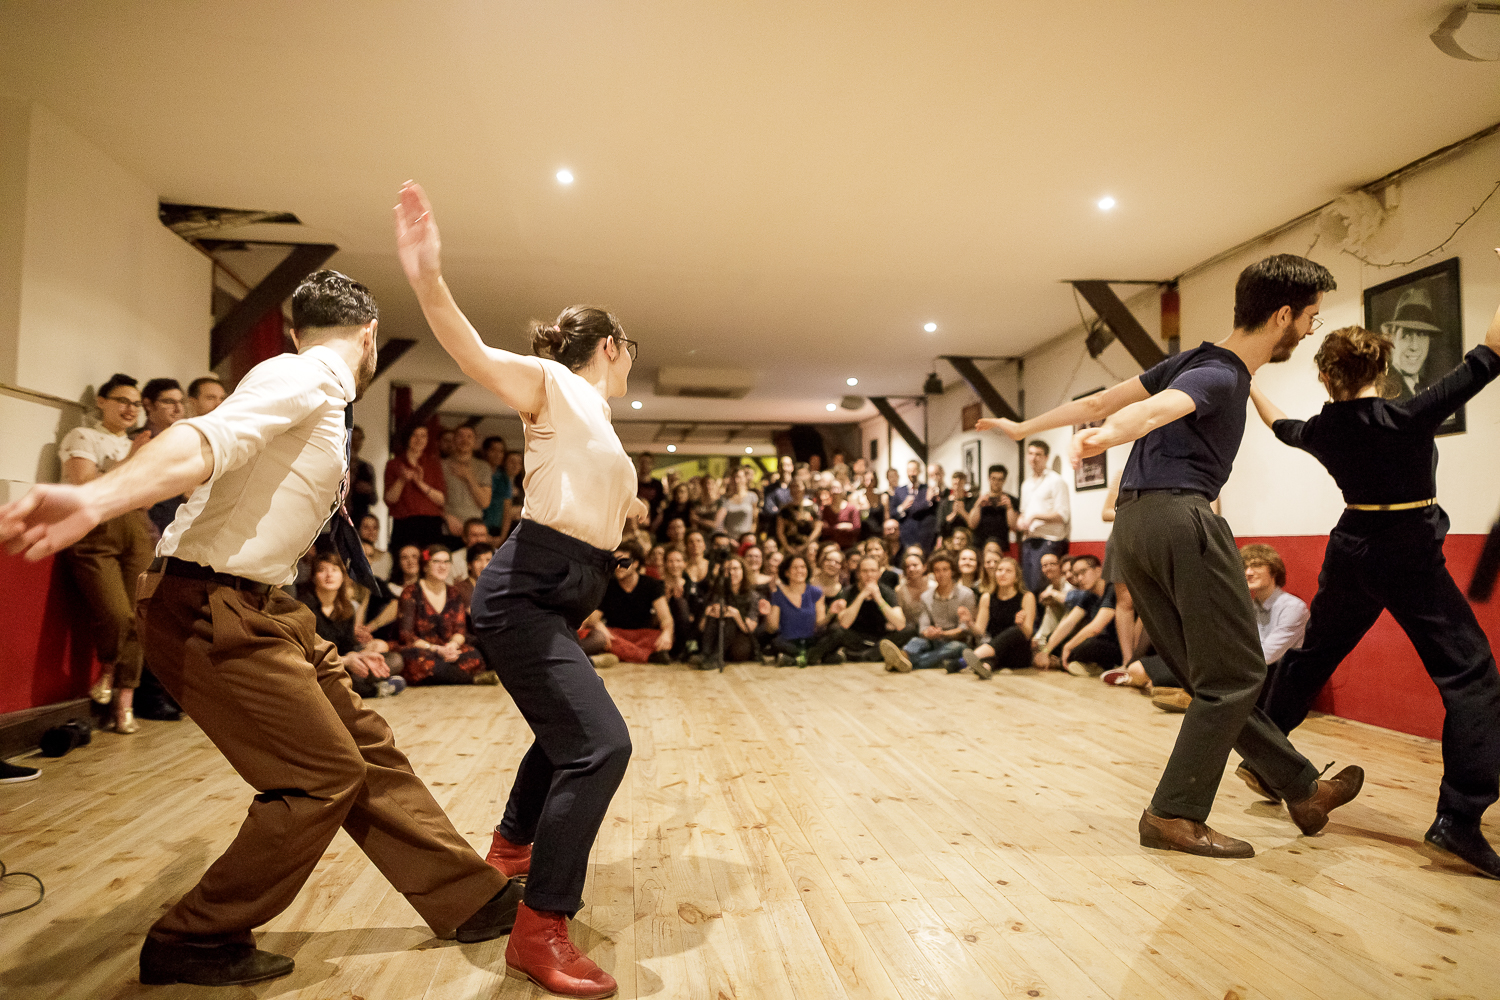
{"type": "Point", "coordinates": [633, 622]}
{"type": "Point", "coordinates": [679, 508]}
{"type": "Point", "coordinates": [708, 512]}
{"type": "Point", "coordinates": [991, 514]}
{"type": "Point", "coordinates": [500, 486]}
{"type": "Point", "coordinates": [945, 627]}
{"type": "Point", "coordinates": [414, 493]}
{"type": "Point", "coordinates": [466, 483]}
{"type": "Point", "coordinates": [954, 508]}
{"type": "Point", "coordinates": [742, 507]}
{"type": "Point", "coordinates": [163, 401]}
{"type": "Point", "coordinates": [434, 646]}
{"type": "Point", "coordinates": [649, 490]}
{"type": "Point", "coordinates": [362, 493]}
{"type": "Point", "coordinates": [911, 506]}
{"type": "Point", "coordinates": [515, 504]}
{"type": "Point", "coordinates": [1007, 612]}
{"type": "Point", "coordinates": [1044, 516]}
{"type": "Point", "coordinates": [204, 395]}
{"type": "Point", "coordinates": [799, 523]}
{"type": "Point", "coordinates": [107, 561]}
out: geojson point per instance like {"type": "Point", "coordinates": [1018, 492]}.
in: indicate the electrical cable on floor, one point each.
{"type": "Point", "coordinates": [41, 889]}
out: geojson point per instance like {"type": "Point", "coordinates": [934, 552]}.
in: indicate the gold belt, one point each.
{"type": "Point", "coordinates": [1391, 506]}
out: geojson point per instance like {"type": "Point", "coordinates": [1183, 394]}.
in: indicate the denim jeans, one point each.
{"type": "Point", "coordinates": [927, 653]}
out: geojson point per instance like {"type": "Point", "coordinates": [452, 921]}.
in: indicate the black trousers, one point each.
{"type": "Point", "coordinates": [863, 647]}
{"type": "Point", "coordinates": [1012, 649]}
{"type": "Point", "coordinates": [739, 645]}
{"type": "Point", "coordinates": [1100, 650]}
{"type": "Point", "coordinates": [1184, 571]}
{"type": "Point", "coordinates": [528, 605]}
{"type": "Point", "coordinates": [1393, 561]}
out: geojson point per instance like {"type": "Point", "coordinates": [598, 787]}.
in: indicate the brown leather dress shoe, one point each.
{"type": "Point", "coordinates": [1311, 814]}
{"type": "Point", "coordinates": [1174, 700]}
{"type": "Point", "coordinates": [1255, 784]}
{"type": "Point", "coordinates": [1190, 837]}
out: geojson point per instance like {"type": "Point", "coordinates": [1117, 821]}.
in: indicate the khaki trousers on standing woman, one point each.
{"type": "Point", "coordinates": [106, 564]}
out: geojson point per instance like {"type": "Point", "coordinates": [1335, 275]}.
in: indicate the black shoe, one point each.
{"type": "Point", "coordinates": [658, 657]}
{"type": "Point", "coordinates": [837, 656]}
{"type": "Point", "coordinates": [1466, 841]}
{"type": "Point", "coordinates": [11, 773]}
{"type": "Point", "coordinates": [216, 965]}
{"type": "Point", "coordinates": [494, 918]}
{"type": "Point", "coordinates": [163, 710]}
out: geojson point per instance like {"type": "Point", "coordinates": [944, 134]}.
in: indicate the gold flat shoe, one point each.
{"type": "Point", "coordinates": [103, 691]}
{"type": "Point", "coordinates": [126, 723]}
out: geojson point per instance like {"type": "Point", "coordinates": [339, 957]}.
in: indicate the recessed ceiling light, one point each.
{"type": "Point", "coordinates": [672, 448]}
{"type": "Point", "coordinates": [749, 451]}
{"type": "Point", "coordinates": [851, 381]}
{"type": "Point", "coordinates": [930, 328]}
{"type": "Point", "coordinates": [565, 176]}
{"type": "Point", "coordinates": [831, 407]}
{"type": "Point", "coordinates": [635, 404]}
{"type": "Point", "coordinates": [1106, 203]}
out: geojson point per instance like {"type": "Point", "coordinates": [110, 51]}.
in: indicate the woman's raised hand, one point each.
{"type": "Point", "coordinates": [417, 242]}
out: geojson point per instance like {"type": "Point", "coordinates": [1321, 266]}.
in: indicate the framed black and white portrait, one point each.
{"type": "Point", "coordinates": [1092, 473]}
{"type": "Point", "coordinates": [972, 465]}
{"type": "Point", "coordinates": [1420, 314]}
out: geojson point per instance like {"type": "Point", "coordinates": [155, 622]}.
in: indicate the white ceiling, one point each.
{"type": "Point", "coordinates": [793, 188]}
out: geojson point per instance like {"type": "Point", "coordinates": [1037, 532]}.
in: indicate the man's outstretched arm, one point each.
{"type": "Point", "coordinates": [49, 518]}
{"type": "Point", "coordinates": [1133, 422]}
{"type": "Point", "coordinates": [1079, 411]}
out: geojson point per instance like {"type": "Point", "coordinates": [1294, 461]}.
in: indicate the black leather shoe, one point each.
{"type": "Point", "coordinates": [1465, 840]}
{"type": "Point", "coordinates": [216, 965]}
{"type": "Point", "coordinates": [157, 711]}
{"type": "Point", "coordinates": [1311, 814]}
{"type": "Point", "coordinates": [494, 918]}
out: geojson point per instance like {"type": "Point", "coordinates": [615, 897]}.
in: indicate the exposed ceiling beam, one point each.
{"type": "Point", "coordinates": [899, 425]}
{"type": "Point", "coordinates": [269, 294]}
{"type": "Point", "coordinates": [982, 387]}
{"type": "Point", "coordinates": [1116, 314]}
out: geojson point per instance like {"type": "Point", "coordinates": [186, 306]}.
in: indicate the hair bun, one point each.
{"type": "Point", "coordinates": [547, 341]}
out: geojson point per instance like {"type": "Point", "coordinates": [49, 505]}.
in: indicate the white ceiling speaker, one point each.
{"type": "Point", "coordinates": [1471, 31]}
{"type": "Point", "coordinates": [1351, 219]}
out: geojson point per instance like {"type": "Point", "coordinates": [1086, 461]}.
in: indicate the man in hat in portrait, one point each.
{"type": "Point", "coordinates": [1410, 329]}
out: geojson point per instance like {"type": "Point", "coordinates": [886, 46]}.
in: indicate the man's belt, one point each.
{"type": "Point", "coordinates": [172, 566]}
{"type": "Point", "coordinates": [1391, 506]}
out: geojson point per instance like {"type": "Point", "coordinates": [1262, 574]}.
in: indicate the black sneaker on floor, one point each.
{"type": "Point", "coordinates": [12, 773]}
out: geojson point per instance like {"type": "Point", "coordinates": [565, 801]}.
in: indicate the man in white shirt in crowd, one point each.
{"type": "Point", "coordinates": [468, 482]}
{"type": "Point", "coordinates": [1044, 516]}
{"type": "Point", "coordinates": [1052, 600]}
{"type": "Point", "coordinates": [266, 470]}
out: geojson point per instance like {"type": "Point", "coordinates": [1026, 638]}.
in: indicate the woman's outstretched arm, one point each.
{"type": "Point", "coordinates": [515, 378]}
{"type": "Point", "coordinates": [1269, 411]}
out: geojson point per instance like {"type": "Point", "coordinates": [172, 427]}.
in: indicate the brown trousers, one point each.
{"type": "Point", "coordinates": [277, 701]}
{"type": "Point", "coordinates": [106, 564]}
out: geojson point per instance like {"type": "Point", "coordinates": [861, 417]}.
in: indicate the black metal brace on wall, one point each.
{"type": "Point", "coordinates": [883, 405]}
{"type": "Point", "coordinates": [269, 294]}
{"type": "Point", "coordinates": [429, 406]}
{"type": "Point", "coordinates": [982, 386]}
{"type": "Point", "coordinates": [1116, 314]}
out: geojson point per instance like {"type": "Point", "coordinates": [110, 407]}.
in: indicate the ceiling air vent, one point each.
{"type": "Point", "coordinates": [704, 383]}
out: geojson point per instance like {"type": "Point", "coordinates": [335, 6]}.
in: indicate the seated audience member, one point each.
{"type": "Point", "coordinates": [475, 534]}
{"type": "Point", "coordinates": [720, 547]}
{"type": "Point", "coordinates": [1052, 602]}
{"type": "Point", "coordinates": [204, 395]}
{"type": "Point", "coordinates": [434, 646]}
{"type": "Point", "coordinates": [799, 524]}
{"type": "Point", "coordinates": [741, 506]}
{"type": "Point", "coordinates": [414, 493]}
{"type": "Point", "coordinates": [696, 550]}
{"type": "Point", "coordinates": [1280, 618]}
{"type": "Point", "coordinates": [681, 592]}
{"type": "Point", "coordinates": [734, 620]}
{"type": "Point", "coordinates": [828, 575]}
{"type": "Point", "coordinates": [991, 514]}
{"type": "Point", "coordinates": [407, 570]}
{"type": "Point", "coordinates": [675, 533]}
{"type": "Point", "coordinates": [755, 559]}
{"type": "Point", "coordinates": [633, 622]}
{"type": "Point", "coordinates": [838, 466]}
{"type": "Point", "coordinates": [913, 584]}
{"type": "Point", "coordinates": [679, 508]}
{"type": "Point", "coordinates": [1094, 646]}
{"type": "Point", "coordinates": [953, 510]}
{"type": "Point", "coordinates": [866, 612]}
{"type": "Point", "coordinates": [655, 557]}
{"type": "Point", "coordinates": [890, 537]}
{"type": "Point", "coordinates": [650, 491]}
{"type": "Point", "coordinates": [945, 627]}
{"type": "Point", "coordinates": [876, 547]}
{"type": "Point", "coordinates": [795, 614]}
{"type": "Point", "coordinates": [1007, 613]}
{"type": "Point", "coordinates": [476, 558]}
{"type": "Point", "coordinates": [362, 492]}
{"type": "Point", "coordinates": [494, 451]}
{"type": "Point", "coordinates": [1082, 604]}
{"type": "Point", "coordinates": [967, 561]}
{"type": "Point", "coordinates": [958, 539]}
{"type": "Point", "coordinates": [369, 538]}
{"type": "Point", "coordinates": [373, 668]}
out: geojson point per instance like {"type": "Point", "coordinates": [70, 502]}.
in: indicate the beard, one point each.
{"type": "Point", "coordinates": [365, 374]}
{"type": "Point", "coordinates": [1285, 346]}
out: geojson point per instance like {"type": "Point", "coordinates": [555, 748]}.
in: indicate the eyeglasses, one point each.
{"type": "Point", "coordinates": [631, 346]}
{"type": "Point", "coordinates": [1317, 322]}
{"type": "Point", "coordinates": [129, 404]}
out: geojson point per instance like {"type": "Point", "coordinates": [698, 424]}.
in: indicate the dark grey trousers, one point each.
{"type": "Point", "coordinates": [1184, 571]}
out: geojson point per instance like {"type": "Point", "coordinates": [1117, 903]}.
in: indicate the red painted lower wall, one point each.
{"type": "Point", "coordinates": [47, 658]}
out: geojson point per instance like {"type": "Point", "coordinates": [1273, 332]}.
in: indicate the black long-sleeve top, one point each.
{"type": "Point", "coordinates": [1381, 452]}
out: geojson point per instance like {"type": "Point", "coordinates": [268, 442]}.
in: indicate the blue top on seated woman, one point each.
{"type": "Point", "coordinates": [798, 622]}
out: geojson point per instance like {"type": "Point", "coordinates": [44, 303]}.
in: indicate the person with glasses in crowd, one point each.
{"type": "Point", "coordinates": [106, 561]}
{"type": "Point", "coordinates": [548, 576]}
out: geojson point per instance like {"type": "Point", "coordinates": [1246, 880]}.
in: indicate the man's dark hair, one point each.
{"type": "Point", "coordinates": [482, 549]}
{"type": "Point", "coordinates": [115, 381]}
{"type": "Point", "coordinates": [493, 439]}
{"type": "Point", "coordinates": [327, 298]}
{"type": "Point", "coordinates": [942, 556]}
{"type": "Point", "coordinates": [1000, 469]}
{"type": "Point", "coordinates": [473, 521]}
{"type": "Point", "coordinates": [157, 386]}
{"type": "Point", "coordinates": [1039, 443]}
{"type": "Point", "coordinates": [1088, 560]}
{"type": "Point", "coordinates": [197, 384]}
{"type": "Point", "coordinates": [633, 549]}
{"type": "Point", "coordinates": [1282, 280]}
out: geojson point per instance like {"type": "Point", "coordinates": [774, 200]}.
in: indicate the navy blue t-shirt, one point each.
{"type": "Point", "coordinates": [1196, 452]}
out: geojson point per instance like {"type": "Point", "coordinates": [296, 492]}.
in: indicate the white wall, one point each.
{"type": "Point", "coordinates": [99, 286]}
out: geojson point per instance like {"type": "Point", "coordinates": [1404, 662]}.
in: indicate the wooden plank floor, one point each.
{"type": "Point", "coordinates": [822, 833]}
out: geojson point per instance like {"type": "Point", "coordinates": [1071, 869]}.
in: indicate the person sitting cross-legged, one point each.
{"type": "Point", "coordinates": [795, 615]}
{"type": "Point", "coordinates": [431, 621]}
{"type": "Point", "coordinates": [1095, 646]}
{"type": "Point", "coordinates": [866, 612]}
{"type": "Point", "coordinates": [730, 617]}
{"type": "Point", "coordinates": [633, 622]}
{"type": "Point", "coordinates": [1082, 605]}
{"type": "Point", "coordinates": [1007, 614]}
{"type": "Point", "coordinates": [946, 625]}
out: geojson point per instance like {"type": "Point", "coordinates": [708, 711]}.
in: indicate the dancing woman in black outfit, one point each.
{"type": "Point", "coordinates": [1386, 553]}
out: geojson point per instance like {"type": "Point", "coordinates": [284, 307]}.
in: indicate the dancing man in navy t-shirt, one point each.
{"type": "Point", "coordinates": [1180, 560]}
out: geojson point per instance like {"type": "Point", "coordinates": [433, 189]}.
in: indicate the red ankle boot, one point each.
{"type": "Point", "coordinates": [510, 860]}
{"type": "Point", "coordinates": [541, 951]}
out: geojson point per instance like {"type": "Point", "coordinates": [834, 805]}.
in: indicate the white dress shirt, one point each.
{"type": "Point", "coordinates": [1043, 494]}
{"type": "Point", "coordinates": [278, 445]}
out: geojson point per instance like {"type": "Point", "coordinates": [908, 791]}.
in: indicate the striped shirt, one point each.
{"type": "Point", "coordinates": [279, 451]}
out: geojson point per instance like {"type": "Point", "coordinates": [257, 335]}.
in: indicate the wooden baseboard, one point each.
{"type": "Point", "coordinates": [21, 732]}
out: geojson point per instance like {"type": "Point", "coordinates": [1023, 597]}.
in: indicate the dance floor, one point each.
{"type": "Point", "coordinates": [820, 833]}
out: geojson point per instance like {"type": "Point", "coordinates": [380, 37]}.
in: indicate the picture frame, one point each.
{"type": "Point", "coordinates": [1421, 313]}
{"type": "Point", "coordinates": [973, 467]}
{"type": "Point", "coordinates": [1092, 473]}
